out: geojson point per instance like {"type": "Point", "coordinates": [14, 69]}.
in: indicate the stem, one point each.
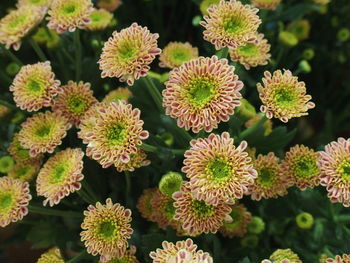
{"type": "Point", "coordinates": [37, 49]}
{"type": "Point", "coordinates": [154, 92]}
{"type": "Point", "coordinates": [77, 45]}
{"type": "Point", "coordinates": [85, 197]}
{"type": "Point", "coordinates": [77, 258]}
{"type": "Point", "coordinates": [5, 77]}
{"type": "Point", "coordinates": [148, 148]}
{"type": "Point", "coordinates": [11, 55]}
{"type": "Point", "coordinates": [128, 188]}
{"type": "Point", "coordinates": [90, 192]}
{"type": "Point", "coordinates": [63, 67]}
{"type": "Point", "coordinates": [183, 133]}
{"type": "Point", "coordinates": [251, 129]}
{"type": "Point", "coordinates": [65, 52]}
{"type": "Point", "coordinates": [222, 53]}
{"type": "Point", "coordinates": [53, 212]}
{"type": "Point", "coordinates": [8, 105]}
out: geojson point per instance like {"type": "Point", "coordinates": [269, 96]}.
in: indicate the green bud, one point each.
{"type": "Point", "coordinates": [6, 163]}
{"type": "Point", "coordinates": [343, 34]}
{"type": "Point", "coordinates": [196, 20]}
{"type": "Point", "coordinates": [323, 9]}
{"type": "Point", "coordinates": [304, 220]}
{"type": "Point", "coordinates": [113, 22]}
{"type": "Point", "coordinates": [168, 138]}
{"type": "Point", "coordinates": [335, 21]}
{"type": "Point", "coordinates": [106, 87]}
{"type": "Point", "coordinates": [170, 183]}
{"type": "Point", "coordinates": [342, 58]}
{"type": "Point", "coordinates": [12, 69]}
{"type": "Point", "coordinates": [288, 39]}
{"type": "Point", "coordinates": [53, 42]}
{"type": "Point", "coordinates": [308, 54]}
{"type": "Point", "coordinates": [304, 66]}
{"type": "Point", "coordinates": [256, 226]}
{"type": "Point", "coordinates": [250, 241]}
{"type": "Point", "coordinates": [246, 110]}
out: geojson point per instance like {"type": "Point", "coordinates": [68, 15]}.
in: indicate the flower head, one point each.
{"type": "Point", "coordinates": [334, 164]}
{"type": "Point", "coordinates": [69, 14]}
{"type": "Point", "coordinates": [18, 23]}
{"type": "Point", "coordinates": [106, 229]}
{"type": "Point", "coordinates": [14, 200]}
{"type": "Point", "coordinates": [129, 257]}
{"type": "Point", "coordinates": [218, 170]}
{"type": "Point", "coordinates": [43, 3]}
{"type": "Point", "coordinates": [74, 101]}
{"type": "Point", "coordinates": [60, 176]}
{"type": "Point", "coordinates": [20, 154]}
{"type": "Point", "coordinates": [201, 93]}
{"type": "Point", "coordinates": [300, 28]}
{"type": "Point", "coordinates": [163, 210]}
{"type": "Point", "coordinates": [304, 220]}
{"type": "Point", "coordinates": [267, 124]}
{"type": "Point", "coordinates": [51, 256]}
{"type": "Point", "coordinates": [266, 4]}
{"type": "Point", "coordinates": [128, 53]}
{"type": "Point", "coordinates": [25, 171]}
{"type": "Point", "coordinates": [176, 53]}
{"type": "Point", "coordinates": [283, 96]}
{"type": "Point", "coordinates": [35, 86]}
{"type": "Point", "coordinates": [117, 95]}
{"type": "Point", "coordinates": [345, 258]}
{"type": "Point", "coordinates": [6, 163]}
{"type": "Point", "coordinates": [144, 204]}
{"type": "Point", "coordinates": [110, 5]}
{"type": "Point", "coordinates": [230, 24]}
{"type": "Point", "coordinates": [137, 160]}
{"type": "Point", "coordinates": [252, 54]}
{"type": "Point", "coordinates": [281, 254]}
{"type": "Point", "coordinates": [300, 163]}
{"type": "Point", "coordinates": [43, 132]}
{"type": "Point", "coordinates": [205, 5]}
{"type": "Point", "coordinates": [170, 183]}
{"type": "Point", "coordinates": [114, 135]}
{"type": "Point", "coordinates": [99, 20]}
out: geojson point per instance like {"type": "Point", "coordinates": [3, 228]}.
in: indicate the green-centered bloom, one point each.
{"type": "Point", "coordinates": [267, 124]}
{"type": "Point", "coordinates": [281, 254]}
{"type": "Point", "coordinates": [129, 257]}
{"type": "Point", "coordinates": [35, 86]}
{"type": "Point", "coordinates": [60, 176]}
{"type": "Point", "coordinates": [99, 20]}
{"type": "Point", "coordinates": [42, 132]}
{"type": "Point", "coordinates": [230, 24]}
{"type": "Point", "coordinates": [43, 3]}
{"type": "Point", "coordinates": [300, 29]}
{"type": "Point", "coordinates": [345, 258]}
{"type": "Point", "coordinates": [117, 95]}
{"type": "Point", "coordinates": [304, 220]}
{"type": "Point", "coordinates": [300, 163]}
{"type": "Point", "coordinates": [51, 256]}
{"type": "Point", "coordinates": [266, 4]}
{"type": "Point", "coordinates": [20, 154]}
{"type": "Point", "coordinates": [69, 14]}
{"type": "Point", "coordinates": [25, 171]}
{"type": "Point", "coordinates": [283, 96]}
{"type": "Point", "coordinates": [163, 210]}
{"type": "Point", "coordinates": [6, 163]}
{"type": "Point", "coordinates": [144, 204]}
{"type": "Point", "coordinates": [14, 200]}
{"type": "Point", "coordinates": [18, 23]}
{"type": "Point", "coordinates": [204, 5]}
{"type": "Point", "coordinates": [106, 229]}
{"type": "Point", "coordinates": [170, 183]}
{"type": "Point", "coordinates": [176, 53]}
{"type": "Point", "coordinates": [256, 226]}
{"type": "Point", "coordinates": [110, 5]}
{"type": "Point", "coordinates": [74, 101]}
{"type": "Point", "coordinates": [201, 93]}
{"type": "Point", "coordinates": [137, 160]}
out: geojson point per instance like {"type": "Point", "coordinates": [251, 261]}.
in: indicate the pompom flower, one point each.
{"type": "Point", "coordinates": [218, 170]}
{"type": "Point", "coordinates": [240, 221]}
{"type": "Point", "coordinates": [281, 254]}
{"type": "Point", "coordinates": [43, 132]}
{"type": "Point", "coordinates": [271, 181]}
{"type": "Point", "coordinates": [74, 101]}
{"type": "Point", "coordinates": [99, 20]}
{"type": "Point", "coordinates": [35, 86]}
{"type": "Point", "coordinates": [196, 216]}
{"type": "Point", "coordinates": [25, 171]}
{"type": "Point", "coordinates": [69, 14]}
{"type": "Point", "coordinates": [163, 210]}
{"type": "Point", "coordinates": [144, 204]}
{"type": "Point", "coordinates": [60, 176]}
{"type": "Point", "coordinates": [181, 251]}
{"type": "Point", "coordinates": [300, 28]}
{"type": "Point", "coordinates": [106, 229]}
{"type": "Point", "coordinates": [117, 95]}
{"type": "Point", "coordinates": [201, 93]}
{"type": "Point", "coordinates": [51, 256]}
{"type": "Point", "coordinates": [170, 183]}
{"type": "Point", "coordinates": [345, 258]}
{"type": "Point", "coordinates": [18, 23]}
{"type": "Point", "coordinates": [20, 154]}
{"type": "Point", "coordinates": [334, 164]}
{"type": "Point", "coordinates": [14, 200]}
{"type": "Point", "coordinates": [137, 160]}
{"type": "Point", "coordinates": [127, 54]}
{"type": "Point", "coordinates": [300, 163]}
{"type": "Point", "coordinates": [115, 135]}
{"type": "Point", "coordinates": [252, 54]}
{"type": "Point", "coordinates": [283, 96]}
{"type": "Point", "coordinates": [129, 257]}
{"type": "Point", "coordinates": [110, 5]}
{"type": "Point", "coordinates": [43, 3]}
{"type": "Point", "coordinates": [266, 4]}
{"type": "Point", "coordinates": [176, 53]}
{"type": "Point", "coordinates": [230, 24]}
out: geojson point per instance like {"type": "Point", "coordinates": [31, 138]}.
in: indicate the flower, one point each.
{"type": "Point", "coordinates": [170, 183]}
{"type": "Point", "coordinates": [300, 29]}
{"type": "Point", "coordinates": [129, 257]}
{"type": "Point", "coordinates": [43, 3]}
{"type": "Point", "coordinates": [218, 170]}
{"type": "Point", "coordinates": [288, 39]}
{"type": "Point", "coordinates": [115, 135]}
{"type": "Point", "coordinates": [14, 200]}
{"type": "Point", "coordinates": [51, 256]}
{"type": "Point", "coordinates": [267, 124]}
{"type": "Point", "coordinates": [60, 176]}
{"type": "Point", "coordinates": [99, 20]}
{"type": "Point", "coordinates": [256, 226]}
{"type": "Point", "coordinates": [281, 254]}
{"type": "Point", "coordinates": [144, 203]}
{"type": "Point", "coordinates": [252, 54]}
{"type": "Point", "coordinates": [271, 181]}
{"type": "Point", "coordinates": [20, 154]}
{"type": "Point", "coordinates": [345, 258]}
{"type": "Point", "coordinates": [127, 54]}
{"type": "Point", "coordinates": [334, 164]}
{"type": "Point", "coordinates": [25, 171]}
{"type": "Point", "coordinates": [230, 24]}
{"type": "Point", "coordinates": [137, 160]}
{"type": "Point", "coordinates": [300, 163]}
{"type": "Point", "coordinates": [240, 221]}
{"type": "Point", "coordinates": [117, 95]}
{"type": "Point", "coordinates": [266, 4]}
{"type": "Point", "coordinates": [42, 132]}
{"type": "Point", "coordinates": [197, 216]}
{"type": "Point", "coordinates": [35, 86]}
{"type": "Point", "coordinates": [176, 53]}
{"type": "Point", "coordinates": [18, 23]}
{"type": "Point", "coordinates": [201, 93]}
{"type": "Point", "coordinates": [283, 96]}
{"type": "Point", "coordinates": [74, 101]}
{"type": "Point", "coordinates": [69, 14]}
{"type": "Point", "coordinates": [110, 5]}
{"type": "Point", "coordinates": [163, 210]}
{"type": "Point", "coordinates": [304, 220]}
{"type": "Point", "coordinates": [6, 163]}
{"type": "Point", "coordinates": [181, 251]}
{"type": "Point", "coordinates": [205, 4]}
{"type": "Point", "coordinates": [106, 229]}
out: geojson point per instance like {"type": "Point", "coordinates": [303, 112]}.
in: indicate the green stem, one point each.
{"type": "Point", "coordinates": [8, 105]}
{"type": "Point", "coordinates": [183, 133]}
{"type": "Point", "coordinates": [77, 45]}
{"type": "Point", "coordinates": [148, 148]}
{"type": "Point", "coordinates": [37, 49]}
{"type": "Point", "coordinates": [154, 92]}
{"type": "Point", "coordinates": [53, 212]}
{"type": "Point", "coordinates": [5, 77]}
{"type": "Point", "coordinates": [90, 191]}
{"type": "Point", "coordinates": [251, 129]}
{"type": "Point", "coordinates": [63, 67]}
{"type": "Point", "coordinates": [11, 55]}
{"type": "Point", "coordinates": [65, 52]}
{"type": "Point", "coordinates": [78, 257]}
{"type": "Point", "coordinates": [222, 53]}
{"type": "Point", "coordinates": [128, 189]}
{"type": "Point", "coordinates": [85, 197]}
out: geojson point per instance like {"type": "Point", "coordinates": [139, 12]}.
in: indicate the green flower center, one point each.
{"type": "Point", "coordinates": [17, 22]}
{"type": "Point", "coordinates": [127, 51]}
{"type": "Point", "coordinates": [233, 25]}
{"type": "Point", "coordinates": [305, 167]}
{"type": "Point", "coordinates": [69, 8]}
{"type": "Point", "coordinates": [344, 170]}
{"type": "Point", "coordinates": [5, 201]}
{"type": "Point", "coordinates": [248, 50]}
{"type": "Point", "coordinates": [180, 55]}
{"type": "Point", "coordinates": [201, 91]}
{"type": "Point", "coordinates": [219, 169]}
{"type": "Point", "coordinates": [285, 97]}
{"type": "Point", "coordinates": [169, 209]}
{"type": "Point", "coordinates": [120, 260]}
{"type": "Point", "coordinates": [107, 230]}
{"type": "Point", "coordinates": [23, 172]}
{"type": "Point", "coordinates": [58, 173]}
{"type": "Point", "coordinates": [77, 104]}
{"type": "Point", "coordinates": [96, 17]}
{"type": "Point", "coordinates": [35, 86]}
{"type": "Point", "coordinates": [201, 209]}
{"type": "Point", "coordinates": [43, 131]}
{"type": "Point", "coordinates": [116, 134]}
{"type": "Point", "coordinates": [266, 176]}
{"type": "Point", "coordinates": [236, 219]}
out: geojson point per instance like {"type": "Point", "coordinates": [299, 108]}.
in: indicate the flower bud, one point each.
{"type": "Point", "coordinates": [6, 163]}
{"type": "Point", "coordinates": [304, 66]}
{"type": "Point", "coordinates": [304, 220]}
{"type": "Point", "coordinates": [250, 241]}
{"type": "Point", "coordinates": [343, 34]}
{"type": "Point", "coordinates": [256, 226]}
{"type": "Point", "coordinates": [288, 39]}
{"type": "Point", "coordinates": [170, 183]}
{"type": "Point", "coordinates": [308, 54]}
{"type": "Point", "coordinates": [246, 110]}
{"type": "Point", "coordinates": [12, 69]}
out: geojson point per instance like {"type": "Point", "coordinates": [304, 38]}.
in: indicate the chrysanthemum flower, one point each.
{"type": "Point", "coordinates": [176, 53]}
{"type": "Point", "coordinates": [283, 96]}
{"type": "Point", "coordinates": [127, 54]}
{"type": "Point", "coordinates": [129, 257]}
{"type": "Point", "coordinates": [14, 200]}
{"type": "Point", "coordinates": [267, 124]}
{"type": "Point", "coordinates": [204, 5]}
{"type": "Point", "coordinates": [334, 164]}
{"type": "Point", "coordinates": [240, 221]}
{"type": "Point", "coordinates": [201, 93]}
{"type": "Point", "coordinates": [271, 181]}
{"type": "Point", "coordinates": [137, 160]}
{"type": "Point", "coordinates": [196, 215]}
{"type": "Point", "coordinates": [89, 118]}
{"type": "Point", "coordinates": [300, 163]}
{"type": "Point", "coordinates": [99, 20]}
{"type": "Point", "coordinates": [51, 256]}
{"type": "Point", "coordinates": [25, 171]}
{"type": "Point", "coordinates": [43, 132]}
{"type": "Point", "coordinates": [115, 135]}
{"type": "Point", "coordinates": [230, 24]}
{"type": "Point", "coordinates": [345, 258]}
{"type": "Point", "coordinates": [218, 170]}
{"type": "Point", "coordinates": [20, 154]}
{"type": "Point", "coordinates": [110, 5]}
{"type": "Point", "coordinates": [18, 23]}
{"type": "Point", "coordinates": [266, 4]}
{"type": "Point", "coordinates": [163, 210]}
{"type": "Point", "coordinates": [281, 254]}
{"type": "Point", "coordinates": [6, 163]}
{"type": "Point", "coordinates": [4, 111]}
{"type": "Point", "coordinates": [252, 54]}
{"type": "Point", "coordinates": [300, 28]}
{"type": "Point", "coordinates": [181, 251]}
{"type": "Point", "coordinates": [43, 3]}
{"type": "Point", "coordinates": [281, 261]}
{"type": "Point", "coordinates": [117, 95]}
{"type": "Point", "coordinates": [74, 101]}
{"type": "Point", "coordinates": [144, 204]}
{"type": "Point", "coordinates": [106, 229]}
{"type": "Point", "coordinates": [60, 176]}
{"type": "Point", "coordinates": [35, 86]}
{"type": "Point", "coordinates": [69, 14]}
